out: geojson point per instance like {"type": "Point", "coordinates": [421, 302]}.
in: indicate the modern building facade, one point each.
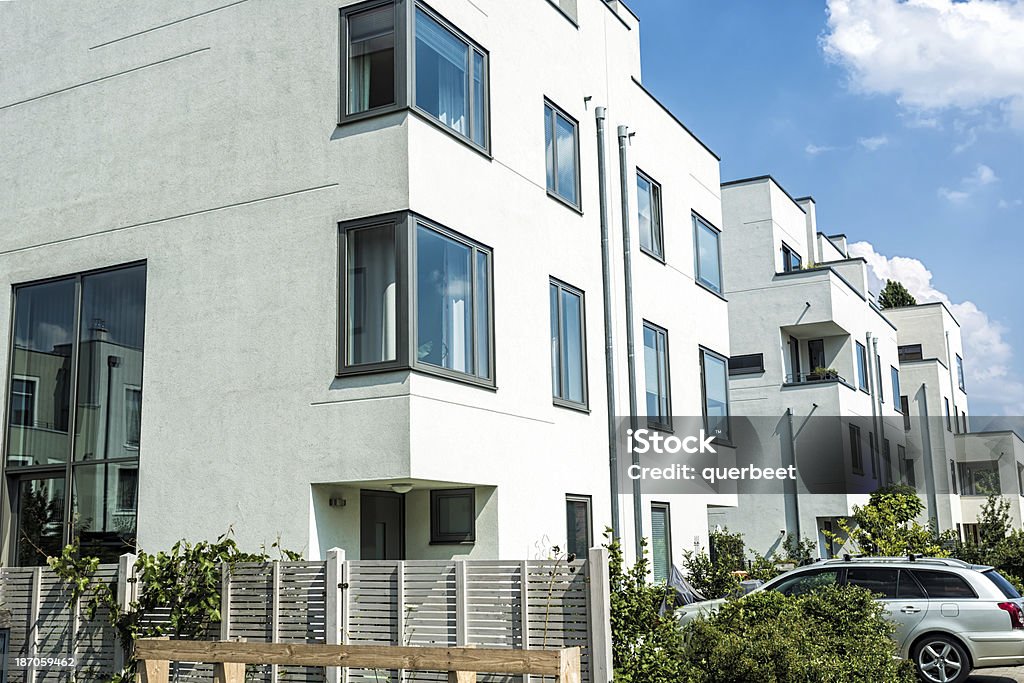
{"type": "Point", "coordinates": [814, 365]}
{"type": "Point", "coordinates": [330, 273]}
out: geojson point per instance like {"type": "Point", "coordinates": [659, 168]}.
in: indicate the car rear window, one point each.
{"type": "Point", "coordinates": [943, 585]}
{"type": "Point", "coordinates": [1004, 586]}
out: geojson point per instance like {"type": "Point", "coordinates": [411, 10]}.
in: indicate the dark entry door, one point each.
{"type": "Point", "coordinates": [381, 525]}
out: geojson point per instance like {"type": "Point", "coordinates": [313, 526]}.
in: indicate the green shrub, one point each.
{"type": "Point", "coordinates": [835, 635]}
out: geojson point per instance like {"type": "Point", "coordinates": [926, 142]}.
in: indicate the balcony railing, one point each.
{"type": "Point", "coordinates": [816, 378]}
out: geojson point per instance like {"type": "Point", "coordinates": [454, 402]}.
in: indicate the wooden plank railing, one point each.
{"type": "Point", "coordinates": [154, 656]}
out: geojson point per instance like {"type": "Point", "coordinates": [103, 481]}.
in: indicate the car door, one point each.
{"type": "Point", "coordinates": [904, 600]}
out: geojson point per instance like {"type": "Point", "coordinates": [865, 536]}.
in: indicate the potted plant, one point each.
{"type": "Point", "coordinates": [819, 374]}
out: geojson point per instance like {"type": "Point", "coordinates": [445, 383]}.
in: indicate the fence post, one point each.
{"type": "Point", "coordinates": [275, 609]}
{"type": "Point", "coordinates": [125, 595]}
{"type": "Point", "coordinates": [32, 632]}
{"type": "Point", "coordinates": [601, 669]}
{"type": "Point", "coordinates": [461, 605]}
{"type": "Point", "coordinates": [524, 608]}
{"type": "Point", "coordinates": [400, 609]}
{"type": "Point", "coordinates": [333, 581]}
{"type": "Point", "coordinates": [225, 601]}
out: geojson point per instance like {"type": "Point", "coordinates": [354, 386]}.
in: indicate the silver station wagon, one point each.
{"type": "Point", "coordinates": [951, 617]}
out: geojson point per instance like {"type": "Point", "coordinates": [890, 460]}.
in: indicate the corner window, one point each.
{"type": "Point", "coordinates": [578, 526]}
{"type": "Point", "coordinates": [648, 206]}
{"type": "Point", "coordinates": [450, 81]}
{"type": "Point", "coordinates": [856, 455]}
{"type": "Point", "coordinates": [715, 391]}
{"type": "Point", "coordinates": [862, 367]}
{"type": "Point", "coordinates": [895, 375]}
{"type": "Point", "coordinates": [452, 516]}
{"type": "Point", "coordinates": [568, 345]}
{"type": "Point", "coordinates": [442, 73]}
{"type": "Point", "coordinates": [562, 153]}
{"type": "Point", "coordinates": [960, 372]}
{"type": "Point", "coordinates": [661, 541]}
{"type": "Point", "coordinates": [911, 352]}
{"type": "Point", "coordinates": [791, 260]}
{"type": "Point", "coordinates": [656, 379]}
{"type": "Point", "coordinates": [371, 58]}
{"type": "Point", "coordinates": [708, 256]}
{"type": "Point", "coordinates": [404, 263]}
{"type": "Point", "coordinates": [751, 364]}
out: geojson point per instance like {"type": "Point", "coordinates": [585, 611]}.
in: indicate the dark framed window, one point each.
{"type": "Point", "coordinates": [568, 344]}
{"type": "Point", "coordinates": [952, 476]}
{"type": "Point", "coordinates": [415, 295]}
{"type": "Point", "coordinates": [905, 409]}
{"type": "Point", "coordinates": [910, 476]}
{"type": "Point", "coordinates": [911, 352]}
{"type": "Point", "coordinates": [791, 260]}
{"type": "Point", "coordinates": [878, 378]}
{"type": "Point", "coordinates": [714, 373]}
{"type": "Point", "coordinates": [127, 489]}
{"type": "Point", "coordinates": [949, 416]}
{"type": "Point", "coordinates": [452, 516]}
{"type": "Point", "coordinates": [862, 367]}
{"type": "Point", "coordinates": [960, 372]}
{"type": "Point", "coordinates": [750, 364]}
{"type": "Point", "coordinates": [76, 369]}
{"type": "Point", "coordinates": [656, 377]}
{"type": "Point", "coordinates": [562, 154]}
{"type": "Point", "coordinates": [816, 355]}
{"type": "Point", "coordinates": [943, 585]}
{"type": "Point", "coordinates": [856, 454]}
{"type": "Point", "coordinates": [963, 419]}
{"type": "Point", "coordinates": [578, 525]}
{"type": "Point", "coordinates": [894, 374]}
{"type": "Point", "coordinates": [648, 207]}
{"type": "Point", "coordinates": [439, 71]}
{"type": "Point", "coordinates": [707, 254]}
{"type": "Point", "coordinates": [794, 359]}
{"type": "Point", "coordinates": [661, 541]}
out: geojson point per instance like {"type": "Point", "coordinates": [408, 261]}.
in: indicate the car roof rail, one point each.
{"type": "Point", "coordinates": [906, 559]}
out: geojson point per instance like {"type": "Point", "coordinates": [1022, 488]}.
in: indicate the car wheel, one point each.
{"type": "Point", "coordinates": [939, 659]}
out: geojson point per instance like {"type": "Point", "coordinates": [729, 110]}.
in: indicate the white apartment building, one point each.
{"type": "Point", "coordinates": [331, 273]}
{"type": "Point", "coordinates": [814, 367]}
{"type": "Point", "coordinates": [954, 469]}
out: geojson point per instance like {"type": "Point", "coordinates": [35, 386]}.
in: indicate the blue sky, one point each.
{"type": "Point", "coordinates": [904, 120]}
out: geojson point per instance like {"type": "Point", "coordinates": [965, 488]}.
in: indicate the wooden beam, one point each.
{"type": "Point", "coordinates": [228, 672]}
{"type": "Point", "coordinates": [485, 660]}
{"type": "Point", "coordinates": [569, 665]}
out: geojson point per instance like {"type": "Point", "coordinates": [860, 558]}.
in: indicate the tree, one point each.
{"type": "Point", "coordinates": [994, 522]}
{"type": "Point", "coordinates": [887, 525]}
{"type": "Point", "coordinates": [895, 295]}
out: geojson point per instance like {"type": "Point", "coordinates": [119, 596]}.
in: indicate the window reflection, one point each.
{"type": "Point", "coordinates": [40, 521]}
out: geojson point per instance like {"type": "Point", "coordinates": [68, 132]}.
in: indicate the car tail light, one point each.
{"type": "Point", "coordinates": [1016, 614]}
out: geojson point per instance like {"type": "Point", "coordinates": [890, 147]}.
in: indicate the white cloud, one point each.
{"type": "Point", "coordinates": [988, 357]}
{"type": "Point", "coordinates": [1010, 203]}
{"type": "Point", "coordinates": [983, 175]}
{"type": "Point", "coordinates": [815, 150]}
{"type": "Point", "coordinates": [873, 143]}
{"type": "Point", "coordinates": [954, 196]}
{"type": "Point", "coordinates": [933, 54]}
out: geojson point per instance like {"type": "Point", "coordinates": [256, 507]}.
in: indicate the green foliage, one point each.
{"type": "Point", "coordinates": [710, 579]}
{"type": "Point", "coordinates": [727, 550]}
{"type": "Point", "coordinates": [798, 550]}
{"type": "Point", "coordinates": [894, 295]}
{"type": "Point", "coordinates": [994, 522]}
{"type": "Point", "coordinates": [887, 525]}
{"type": "Point", "coordinates": [646, 645]}
{"type": "Point", "coordinates": [183, 585]}
{"type": "Point", "coordinates": [833, 635]}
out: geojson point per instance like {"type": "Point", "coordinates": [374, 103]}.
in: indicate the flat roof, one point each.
{"type": "Point", "coordinates": [926, 305]}
{"type": "Point", "coordinates": [761, 178]}
{"type": "Point", "coordinates": [675, 118]}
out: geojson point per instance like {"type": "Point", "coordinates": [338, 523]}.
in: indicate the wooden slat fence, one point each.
{"type": "Point", "coordinates": [535, 604]}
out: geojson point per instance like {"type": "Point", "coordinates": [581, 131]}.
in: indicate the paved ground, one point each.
{"type": "Point", "coordinates": [1005, 675]}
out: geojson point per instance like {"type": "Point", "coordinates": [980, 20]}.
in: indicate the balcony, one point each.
{"type": "Point", "coordinates": [826, 377]}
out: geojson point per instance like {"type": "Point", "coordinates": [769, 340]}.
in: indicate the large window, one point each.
{"type": "Point", "coordinates": [661, 541]}
{"type": "Point", "coordinates": [444, 77]}
{"type": "Point", "coordinates": [656, 378]}
{"type": "Point", "coordinates": [897, 396]}
{"type": "Point", "coordinates": [76, 413]}
{"type": "Point", "coordinates": [568, 345]}
{"type": "Point", "coordinates": [715, 391]}
{"type": "Point", "coordinates": [960, 372]}
{"type": "Point", "coordinates": [400, 263]}
{"type": "Point", "coordinates": [578, 526]}
{"type": "Point", "coordinates": [648, 207]}
{"type": "Point", "coordinates": [707, 254]}
{"type": "Point", "coordinates": [562, 154]}
{"type": "Point", "coordinates": [862, 367]}
{"type": "Point", "coordinates": [979, 478]}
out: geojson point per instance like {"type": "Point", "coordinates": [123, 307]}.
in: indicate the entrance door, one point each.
{"type": "Point", "coordinates": [381, 525]}
{"type": "Point", "coordinates": [794, 359]}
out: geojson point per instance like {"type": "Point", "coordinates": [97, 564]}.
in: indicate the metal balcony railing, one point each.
{"type": "Point", "coordinates": [815, 378]}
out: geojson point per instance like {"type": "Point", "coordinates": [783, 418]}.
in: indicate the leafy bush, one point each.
{"type": "Point", "coordinates": [887, 525]}
{"type": "Point", "coordinates": [833, 635]}
{"type": "Point", "coordinates": [710, 579]}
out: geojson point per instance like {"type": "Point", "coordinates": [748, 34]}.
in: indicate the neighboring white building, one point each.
{"type": "Point", "coordinates": [371, 296]}
{"type": "Point", "coordinates": [814, 364]}
{"type": "Point", "coordinates": [966, 466]}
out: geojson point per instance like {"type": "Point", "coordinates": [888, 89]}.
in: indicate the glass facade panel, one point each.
{"type": "Point", "coordinates": [371, 290]}
{"type": "Point", "coordinates": [44, 330]}
{"type": "Point", "coordinates": [103, 512]}
{"type": "Point", "coordinates": [444, 301]}
{"type": "Point", "coordinates": [371, 59]}
{"type": "Point", "coordinates": [40, 520]}
{"type": "Point", "coordinates": [442, 74]}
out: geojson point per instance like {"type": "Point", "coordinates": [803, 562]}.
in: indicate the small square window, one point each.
{"type": "Point", "coordinates": [452, 516]}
